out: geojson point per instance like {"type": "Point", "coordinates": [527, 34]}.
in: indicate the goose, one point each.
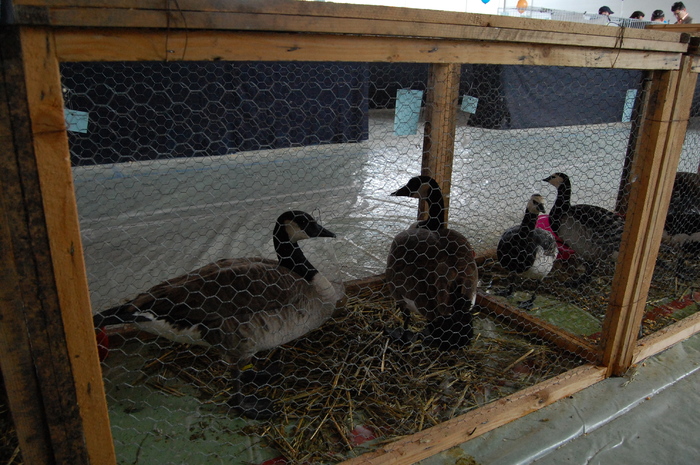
{"type": "Point", "coordinates": [593, 232]}
{"type": "Point", "coordinates": [240, 305]}
{"type": "Point", "coordinates": [526, 250]}
{"type": "Point", "coordinates": [431, 271]}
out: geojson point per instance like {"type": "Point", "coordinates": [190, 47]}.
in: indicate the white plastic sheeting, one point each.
{"type": "Point", "coordinates": [144, 222]}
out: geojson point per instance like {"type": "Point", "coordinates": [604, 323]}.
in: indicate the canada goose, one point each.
{"type": "Point", "coordinates": [431, 270]}
{"type": "Point", "coordinates": [593, 232]}
{"type": "Point", "coordinates": [526, 250]}
{"type": "Point", "coordinates": [240, 305]}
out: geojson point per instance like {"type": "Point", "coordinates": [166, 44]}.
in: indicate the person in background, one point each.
{"type": "Point", "coordinates": [679, 11]}
{"type": "Point", "coordinates": [605, 10]}
{"type": "Point", "coordinates": [637, 15]}
{"type": "Point", "coordinates": [658, 16]}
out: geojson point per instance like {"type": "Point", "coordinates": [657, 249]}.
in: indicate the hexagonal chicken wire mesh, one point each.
{"type": "Point", "coordinates": [178, 166]}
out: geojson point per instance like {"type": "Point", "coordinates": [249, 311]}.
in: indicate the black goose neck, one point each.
{"type": "Point", "coordinates": [290, 255]}
{"type": "Point", "coordinates": [436, 210]}
{"type": "Point", "coordinates": [529, 221]}
{"type": "Point", "coordinates": [563, 201]}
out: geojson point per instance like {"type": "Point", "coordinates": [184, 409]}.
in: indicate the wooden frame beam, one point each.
{"type": "Point", "coordinates": [42, 243]}
{"type": "Point", "coordinates": [286, 16]}
{"type": "Point", "coordinates": [154, 45]}
{"type": "Point", "coordinates": [440, 127]}
{"type": "Point", "coordinates": [482, 420]}
{"type": "Point", "coordinates": [653, 171]}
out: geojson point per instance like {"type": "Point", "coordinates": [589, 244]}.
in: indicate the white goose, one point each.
{"type": "Point", "coordinates": [241, 305]}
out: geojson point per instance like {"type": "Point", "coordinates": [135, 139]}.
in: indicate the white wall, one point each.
{"type": "Point", "coordinates": [620, 7]}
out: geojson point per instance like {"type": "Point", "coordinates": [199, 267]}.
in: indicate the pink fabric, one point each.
{"type": "Point", "coordinates": [564, 252]}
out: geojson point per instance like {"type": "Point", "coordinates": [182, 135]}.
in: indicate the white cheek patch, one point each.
{"type": "Point", "coordinates": [294, 232]}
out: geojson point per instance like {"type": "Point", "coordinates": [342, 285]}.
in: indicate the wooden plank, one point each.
{"type": "Point", "coordinates": [653, 172]}
{"type": "Point", "coordinates": [328, 12]}
{"type": "Point", "coordinates": [310, 24]}
{"type": "Point", "coordinates": [473, 424]}
{"type": "Point", "coordinates": [16, 362]}
{"type": "Point", "coordinates": [693, 29]}
{"type": "Point", "coordinates": [440, 126]}
{"type": "Point", "coordinates": [139, 45]}
{"type": "Point", "coordinates": [540, 328]}
{"type": "Point", "coordinates": [65, 270]}
{"type": "Point", "coordinates": [31, 272]}
{"type": "Point", "coordinates": [666, 337]}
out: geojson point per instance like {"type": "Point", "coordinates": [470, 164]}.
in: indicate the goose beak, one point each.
{"type": "Point", "coordinates": [403, 192]}
{"type": "Point", "coordinates": [320, 231]}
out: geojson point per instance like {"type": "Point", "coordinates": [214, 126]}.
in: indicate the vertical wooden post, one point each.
{"type": "Point", "coordinates": [43, 262]}
{"type": "Point", "coordinates": [440, 125]}
{"type": "Point", "coordinates": [16, 361]}
{"type": "Point", "coordinates": [652, 175]}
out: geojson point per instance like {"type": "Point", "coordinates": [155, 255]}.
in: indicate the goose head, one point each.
{"type": "Point", "coordinates": [558, 179]}
{"type": "Point", "coordinates": [420, 187]}
{"type": "Point", "coordinates": [536, 205]}
{"type": "Point", "coordinates": [426, 188]}
{"type": "Point", "coordinates": [291, 227]}
{"type": "Point", "coordinates": [296, 225]}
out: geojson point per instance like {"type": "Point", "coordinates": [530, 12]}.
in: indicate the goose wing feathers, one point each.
{"type": "Point", "coordinates": [432, 268]}
{"type": "Point", "coordinates": [234, 303]}
{"type": "Point", "coordinates": [605, 222]}
{"type": "Point", "coordinates": [518, 250]}
{"type": "Point", "coordinates": [591, 231]}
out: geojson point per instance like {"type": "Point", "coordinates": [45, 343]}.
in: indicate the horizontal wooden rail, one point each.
{"type": "Point", "coordinates": [540, 328]}
{"type": "Point", "coordinates": [313, 17]}
{"type": "Point", "coordinates": [142, 45]}
{"type": "Point", "coordinates": [477, 422]}
{"type": "Point", "coordinates": [666, 337]}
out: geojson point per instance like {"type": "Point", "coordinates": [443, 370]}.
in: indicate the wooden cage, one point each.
{"type": "Point", "coordinates": [49, 359]}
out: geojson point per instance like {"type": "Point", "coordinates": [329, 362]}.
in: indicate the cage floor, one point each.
{"type": "Point", "coordinates": [651, 415]}
{"type": "Point", "coordinates": [673, 295]}
{"type": "Point", "coordinates": [343, 389]}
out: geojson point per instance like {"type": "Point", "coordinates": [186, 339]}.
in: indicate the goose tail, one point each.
{"type": "Point", "coordinates": [118, 315]}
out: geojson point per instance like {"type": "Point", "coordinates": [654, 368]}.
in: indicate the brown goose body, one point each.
{"type": "Point", "coordinates": [428, 270]}
{"type": "Point", "coordinates": [240, 305]}
{"type": "Point", "coordinates": [431, 270]}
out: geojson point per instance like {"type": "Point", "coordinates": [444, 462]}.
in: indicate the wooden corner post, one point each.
{"type": "Point", "coordinates": [440, 126]}
{"type": "Point", "coordinates": [49, 355]}
{"type": "Point", "coordinates": [658, 150]}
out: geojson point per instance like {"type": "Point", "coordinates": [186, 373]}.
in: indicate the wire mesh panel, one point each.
{"type": "Point", "coordinates": [196, 183]}
{"type": "Point", "coordinates": [673, 295]}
